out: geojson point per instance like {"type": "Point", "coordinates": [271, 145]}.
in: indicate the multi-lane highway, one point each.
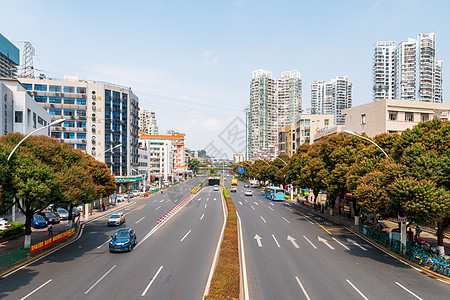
{"type": "Point", "coordinates": [291, 253]}
{"type": "Point", "coordinates": [171, 261]}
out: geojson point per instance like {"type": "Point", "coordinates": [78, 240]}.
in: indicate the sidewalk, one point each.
{"type": "Point", "coordinates": [41, 234]}
{"type": "Point", "coordinates": [427, 234]}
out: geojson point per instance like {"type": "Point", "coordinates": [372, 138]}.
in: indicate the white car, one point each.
{"type": "Point", "coordinates": [216, 188]}
{"type": "Point", "coordinates": [248, 193]}
{"type": "Point", "coordinates": [4, 224]}
{"type": "Point", "coordinates": [136, 193]}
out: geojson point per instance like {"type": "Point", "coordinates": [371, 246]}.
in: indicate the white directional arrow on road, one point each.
{"type": "Point", "coordinates": [292, 240]}
{"type": "Point", "coordinates": [325, 242]}
{"type": "Point", "coordinates": [356, 244]}
{"type": "Point", "coordinates": [258, 240]}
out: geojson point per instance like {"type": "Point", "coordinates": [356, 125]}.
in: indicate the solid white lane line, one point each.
{"type": "Point", "coordinates": [99, 280]}
{"type": "Point", "coordinates": [158, 208]}
{"type": "Point", "coordinates": [276, 241]}
{"type": "Point", "coordinates": [303, 289]}
{"type": "Point", "coordinates": [263, 219]}
{"type": "Point", "coordinates": [202, 216]}
{"type": "Point", "coordinates": [252, 207]}
{"type": "Point", "coordinates": [206, 205]}
{"type": "Point", "coordinates": [151, 281]}
{"type": "Point", "coordinates": [443, 281]}
{"type": "Point", "coordinates": [103, 244]}
{"type": "Point", "coordinates": [36, 289]}
{"type": "Point", "coordinates": [243, 265]}
{"type": "Point", "coordinates": [286, 220]}
{"type": "Point", "coordinates": [356, 289]}
{"type": "Point", "coordinates": [341, 244]}
{"type": "Point", "coordinates": [270, 208]}
{"type": "Point", "coordinates": [139, 220]}
{"type": "Point", "coordinates": [185, 235]}
{"type": "Point", "coordinates": [408, 290]}
{"type": "Point", "coordinates": [310, 242]}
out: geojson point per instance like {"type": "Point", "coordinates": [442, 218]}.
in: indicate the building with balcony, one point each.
{"type": "Point", "coordinates": [392, 116]}
{"type": "Point", "coordinates": [286, 140]}
{"type": "Point", "coordinates": [9, 58]}
{"type": "Point", "coordinates": [19, 112]}
{"type": "Point", "coordinates": [274, 103]}
{"type": "Point", "coordinates": [330, 98]}
{"type": "Point", "coordinates": [408, 71]}
{"type": "Point", "coordinates": [147, 121]}
{"type": "Point", "coordinates": [99, 116]}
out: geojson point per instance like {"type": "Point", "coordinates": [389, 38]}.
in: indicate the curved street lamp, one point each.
{"type": "Point", "coordinates": [363, 137]}
{"type": "Point", "coordinates": [57, 122]}
{"type": "Point", "coordinates": [110, 149]}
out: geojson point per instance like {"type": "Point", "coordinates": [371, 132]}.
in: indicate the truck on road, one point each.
{"type": "Point", "coordinates": [233, 185]}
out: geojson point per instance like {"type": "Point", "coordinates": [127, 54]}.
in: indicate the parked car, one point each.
{"type": "Point", "coordinates": [116, 218]}
{"type": "Point", "coordinates": [38, 221]}
{"type": "Point", "coordinates": [119, 199]}
{"type": "Point", "coordinates": [248, 193]}
{"type": "Point", "coordinates": [136, 193]}
{"type": "Point", "coordinates": [75, 212]}
{"type": "Point", "coordinates": [4, 224]}
{"type": "Point", "coordinates": [62, 213]}
{"type": "Point", "coordinates": [50, 217]}
{"type": "Point", "coordinates": [123, 240]}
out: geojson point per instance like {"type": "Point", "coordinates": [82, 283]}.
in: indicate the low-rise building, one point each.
{"type": "Point", "coordinates": [307, 126]}
{"type": "Point", "coordinates": [238, 157]}
{"type": "Point", "coordinates": [19, 112]}
{"type": "Point", "coordinates": [286, 140]}
{"type": "Point", "coordinates": [391, 116]}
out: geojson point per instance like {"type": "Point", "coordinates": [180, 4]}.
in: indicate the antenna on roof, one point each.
{"type": "Point", "coordinates": [27, 61]}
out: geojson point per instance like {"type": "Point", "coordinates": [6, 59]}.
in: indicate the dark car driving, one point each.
{"type": "Point", "coordinates": [123, 240]}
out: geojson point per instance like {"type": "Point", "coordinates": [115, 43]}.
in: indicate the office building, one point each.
{"type": "Point", "coordinates": [274, 103]}
{"type": "Point", "coordinates": [147, 121]}
{"type": "Point", "coordinates": [19, 112]}
{"type": "Point", "coordinates": [408, 71]}
{"type": "Point", "coordinates": [392, 116]}
{"type": "Point", "coordinates": [99, 116]}
{"type": "Point", "coordinates": [9, 58]}
{"type": "Point", "coordinates": [330, 98]}
{"type": "Point", "coordinates": [307, 126]}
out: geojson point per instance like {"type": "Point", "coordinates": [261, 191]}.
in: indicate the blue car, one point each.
{"type": "Point", "coordinates": [38, 221]}
{"type": "Point", "coordinates": [122, 240]}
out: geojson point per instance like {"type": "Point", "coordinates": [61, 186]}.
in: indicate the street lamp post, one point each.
{"type": "Point", "coordinates": [54, 123]}
{"type": "Point", "coordinates": [403, 223]}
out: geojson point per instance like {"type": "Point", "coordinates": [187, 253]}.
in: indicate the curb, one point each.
{"type": "Point", "coordinates": [384, 249]}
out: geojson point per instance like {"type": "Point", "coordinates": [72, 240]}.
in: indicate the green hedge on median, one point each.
{"type": "Point", "coordinates": [14, 229]}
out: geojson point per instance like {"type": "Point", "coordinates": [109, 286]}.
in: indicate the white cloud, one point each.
{"type": "Point", "coordinates": [210, 57]}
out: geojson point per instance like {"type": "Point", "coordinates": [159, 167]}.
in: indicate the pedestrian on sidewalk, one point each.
{"type": "Point", "coordinates": [418, 231]}
{"type": "Point", "coordinates": [50, 230]}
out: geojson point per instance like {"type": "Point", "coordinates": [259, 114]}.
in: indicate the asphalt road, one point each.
{"type": "Point", "coordinates": [171, 262]}
{"type": "Point", "coordinates": [291, 253]}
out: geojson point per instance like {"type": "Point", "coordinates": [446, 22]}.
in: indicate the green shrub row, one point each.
{"type": "Point", "coordinates": [14, 229]}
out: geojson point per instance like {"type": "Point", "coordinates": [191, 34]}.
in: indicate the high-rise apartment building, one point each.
{"type": "Point", "coordinates": [408, 71]}
{"type": "Point", "coordinates": [274, 103]}
{"type": "Point", "coordinates": [9, 58]}
{"type": "Point", "coordinates": [99, 116]}
{"type": "Point", "coordinates": [330, 98]}
{"type": "Point", "coordinates": [147, 121]}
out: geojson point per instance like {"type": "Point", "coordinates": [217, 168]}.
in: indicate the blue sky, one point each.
{"type": "Point", "coordinates": [191, 61]}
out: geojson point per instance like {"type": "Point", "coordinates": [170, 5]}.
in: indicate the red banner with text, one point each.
{"type": "Point", "coordinates": [53, 240]}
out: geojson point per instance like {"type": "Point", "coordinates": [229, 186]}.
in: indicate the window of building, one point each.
{"type": "Point", "coordinates": [392, 131]}
{"type": "Point", "coordinates": [363, 119]}
{"type": "Point", "coordinates": [69, 89]}
{"type": "Point", "coordinates": [81, 90]}
{"type": "Point", "coordinates": [81, 135]}
{"type": "Point", "coordinates": [424, 117]}
{"type": "Point", "coordinates": [81, 146]}
{"type": "Point", "coordinates": [41, 121]}
{"type": "Point", "coordinates": [81, 113]}
{"type": "Point", "coordinates": [34, 120]}
{"type": "Point", "coordinates": [81, 124]}
{"type": "Point", "coordinates": [54, 100]}
{"type": "Point", "coordinates": [81, 101]}
{"type": "Point", "coordinates": [18, 116]}
{"type": "Point", "coordinates": [409, 117]}
{"type": "Point", "coordinates": [56, 135]}
{"type": "Point", "coordinates": [54, 112]}
{"type": "Point", "coordinates": [40, 87]}
{"type": "Point", "coordinates": [69, 124]}
{"type": "Point", "coordinates": [69, 100]}
{"type": "Point", "coordinates": [69, 135]}
{"type": "Point", "coordinates": [327, 122]}
{"type": "Point", "coordinates": [393, 115]}
{"type": "Point", "coordinates": [69, 112]}
{"type": "Point", "coordinates": [40, 99]}
{"type": "Point", "coordinates": [54, 88]}
{"type": "Point", "coordinates": [28, 86]}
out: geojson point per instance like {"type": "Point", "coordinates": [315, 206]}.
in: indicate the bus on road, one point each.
{"type": "Point", "coordinates": [274, 193]}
